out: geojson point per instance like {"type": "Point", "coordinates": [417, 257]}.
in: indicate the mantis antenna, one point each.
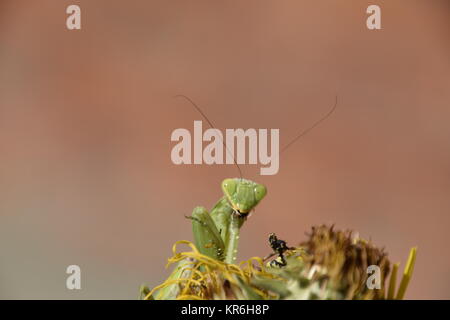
{"type": "Point", "coordinates": [301, 134]}
{"type": "Point", "coordinates": [315, 124]}
{"type": "Point", "coordinates": [211, 125]}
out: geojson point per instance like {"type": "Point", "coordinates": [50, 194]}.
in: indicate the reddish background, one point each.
{"type": "Point", "coordinates": [86, 118]}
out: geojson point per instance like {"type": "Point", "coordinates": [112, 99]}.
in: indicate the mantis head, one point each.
{"type": "Point", "coordinates": [243, 194]}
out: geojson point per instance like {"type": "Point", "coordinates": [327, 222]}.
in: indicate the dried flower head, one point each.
{"type": "Point", "coordinates": [330, 264]}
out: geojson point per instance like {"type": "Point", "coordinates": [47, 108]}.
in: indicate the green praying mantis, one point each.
{"type": "Point", "coordinates": [216, 233]}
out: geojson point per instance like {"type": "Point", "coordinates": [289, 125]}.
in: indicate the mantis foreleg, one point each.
{"type": "Point", "coordinates": [217, 234]}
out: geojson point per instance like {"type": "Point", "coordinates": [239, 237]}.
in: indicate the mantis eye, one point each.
{"type": "Point", "coordinates": [260, 192]}
{"type": "Point", "coordinates": [229, 186]}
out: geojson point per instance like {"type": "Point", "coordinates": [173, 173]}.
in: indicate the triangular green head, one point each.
{"type": "Point", "coordinates": [243, 194]}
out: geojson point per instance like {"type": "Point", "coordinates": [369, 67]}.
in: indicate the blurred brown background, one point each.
{"type": "Point", "coordinates": [86, 117]}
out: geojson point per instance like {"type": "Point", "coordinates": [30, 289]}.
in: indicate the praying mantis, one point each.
{"type": "Point", "coordinates": [216, 233]}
